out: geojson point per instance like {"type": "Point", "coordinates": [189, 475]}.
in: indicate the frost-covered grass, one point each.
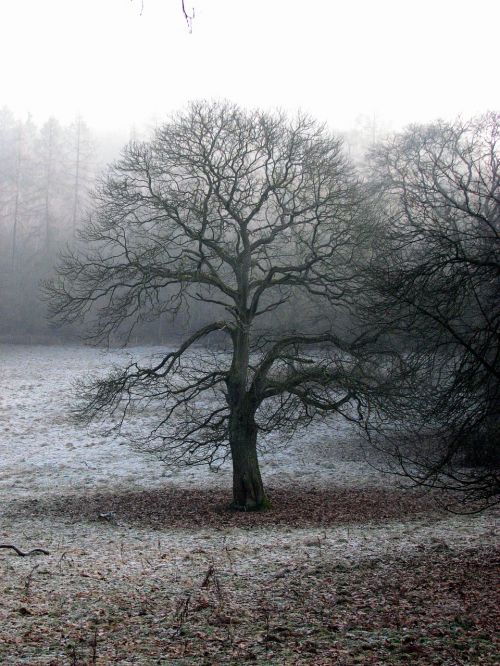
{"type": "Point", "coordinates": [148, 567]}
{"type": "Point", "coordinates": [42, 450]}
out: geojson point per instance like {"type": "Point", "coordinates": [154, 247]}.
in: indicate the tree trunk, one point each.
{"type": "Point", "coordinates": [76, 191]}
{"type": "Point", "coordinates": [248, 489]}
{"type": "Point", "coordinates": [15, 224]}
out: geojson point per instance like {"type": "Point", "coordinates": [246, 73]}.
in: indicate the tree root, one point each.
{"type": "Point", "coordinates": [35, 551]}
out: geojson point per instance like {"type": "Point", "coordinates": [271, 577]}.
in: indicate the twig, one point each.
{"type": "Point", "coordinates": [29, 578]}
{"type": "Point", "coordinates": [93, 645]}
{"type": "Point", "coordinates": [208, 576]}
{"type": "Point", "coordinates": [189, 17]}
{"type": "Point", "coordinates": [182, 612]}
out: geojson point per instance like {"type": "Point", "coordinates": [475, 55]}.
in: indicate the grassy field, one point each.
{"type": "Point", "coordinates": [345, 568]}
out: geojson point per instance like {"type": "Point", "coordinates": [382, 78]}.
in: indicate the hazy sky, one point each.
{"type": "Point", "coordinates": [402, 60]}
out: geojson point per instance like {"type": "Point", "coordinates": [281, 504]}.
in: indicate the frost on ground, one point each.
{"type": "Point", "coordinates": [42, 450]}
{"type": "Point", "coordinates": [147, 567]}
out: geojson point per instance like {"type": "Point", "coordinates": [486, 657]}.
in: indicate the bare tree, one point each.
{"type": "Point", "coordinates": [80, 152]}
{"type": "Point", "coordinates": [51, 176]}
{"type": "Point", "coordinates": [439, 279]}
{"type": "Point", "coordinates": [244, 212]}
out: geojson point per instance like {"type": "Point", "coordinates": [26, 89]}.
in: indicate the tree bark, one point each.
{"type": "Point", "coordinates": [248, 489]}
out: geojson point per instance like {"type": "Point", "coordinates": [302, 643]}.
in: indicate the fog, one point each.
{"type": "Point", "coordinates": [119, 68]}
{"type": "Point", "coordinates": [126, 63]}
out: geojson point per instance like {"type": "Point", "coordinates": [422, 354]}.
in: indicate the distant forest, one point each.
{"type": "Point", "coordinates": [46, 178]}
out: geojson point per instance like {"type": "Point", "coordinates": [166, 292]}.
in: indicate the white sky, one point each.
{"type": "Point", "coordinates": [401, 61]}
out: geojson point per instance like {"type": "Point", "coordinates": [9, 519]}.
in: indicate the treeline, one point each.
{"type": "Point", "coordinates": [46, 174]}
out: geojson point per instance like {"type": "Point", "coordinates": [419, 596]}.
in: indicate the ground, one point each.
{"type": "Point", "coordinates": [147, 566]}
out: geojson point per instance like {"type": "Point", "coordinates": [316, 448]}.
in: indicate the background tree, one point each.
{"type": "Point", "coordinates": [53, 183]}
{"type": "Point", "coordinates": [244, 212]}
{"type": "Point", "coordinates": [439, 278]}
{"type": "Point", "coordinates": [80, 158]}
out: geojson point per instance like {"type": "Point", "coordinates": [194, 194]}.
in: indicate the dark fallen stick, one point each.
{"type": "Point", "coordinates": [35, 551]}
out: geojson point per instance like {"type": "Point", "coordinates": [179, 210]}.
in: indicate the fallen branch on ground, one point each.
{"type": "Point", "coordinates": [35, 551]}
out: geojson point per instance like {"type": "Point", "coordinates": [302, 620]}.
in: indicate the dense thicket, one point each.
{"type": "Point", "coordinates": [438, 283]}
